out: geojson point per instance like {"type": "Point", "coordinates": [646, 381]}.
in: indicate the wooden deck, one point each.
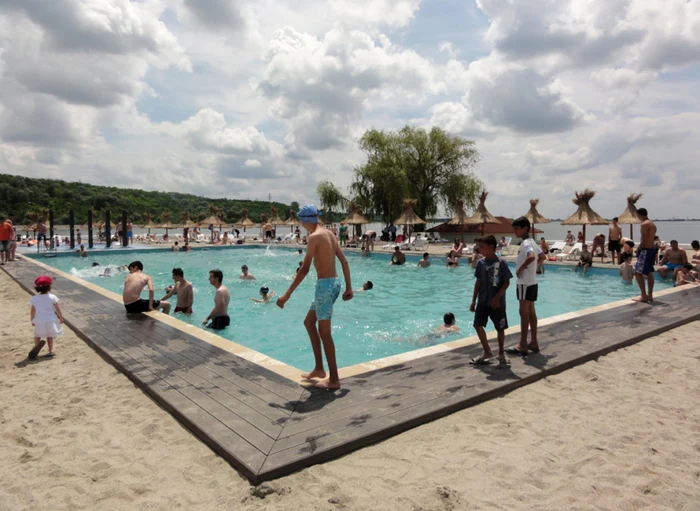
{"type": "Point", "coordinates": [267, 426]}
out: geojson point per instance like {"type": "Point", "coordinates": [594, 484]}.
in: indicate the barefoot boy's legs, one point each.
{"type": "Point", "coordinates": [533, 327]}
{"type": "Point", "coordinates": [310, 324]}
{"type": "Point", "coordinates": [333, 380]}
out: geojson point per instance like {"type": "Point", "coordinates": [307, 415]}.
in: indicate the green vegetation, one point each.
{"type": "Point", "coordinates": [432, 167]}
{"type": "Point", "coordinates": [23, 198]}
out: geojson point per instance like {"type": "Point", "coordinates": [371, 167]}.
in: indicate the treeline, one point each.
{"type": "Point", "coordinates": [24, 197]}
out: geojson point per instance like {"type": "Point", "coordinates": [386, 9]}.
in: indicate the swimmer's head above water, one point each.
{"type": "Point", "coordinates": [367, 285]}
{"type": "Point", "coordinates": [449, 319]}
{"type": "Point", "coordinates": [264, 290]}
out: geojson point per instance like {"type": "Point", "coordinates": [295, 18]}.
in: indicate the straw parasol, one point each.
{"type": "Point", "coordinates": [276, 220]}
{"type": "Point", "coordinates": [101, 224]}
{"type": "Point", "coordinates": [584, 215]}
{"type": "Point", "coordinates": [292, 220]}
{"type": "Point", "coordinates": [355, 216]}
{"type": "Point", "coordinates": [187, 223]}
{"type": "Point", "coordinates": [165, 224]}
{"type": "Point", "coordinates": [534, 216]}
{"type": "Point", "coordinates": [630, 214]}
{"type": "Point", "coordinates": [245, 221]}
{"type": "Point", "coordinates": [409, 216]}
{"type": "Point", "coordinates": [149, 223]}
{"type": "Point", "coordinates": [481, 215]}
{"type": "Point", "coordinates": [461, 217]}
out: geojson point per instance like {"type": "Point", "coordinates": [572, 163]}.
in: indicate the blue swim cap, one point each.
{"type": "Point", "coordinates": [309, 214]}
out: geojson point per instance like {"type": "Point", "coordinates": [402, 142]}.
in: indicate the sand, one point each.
{"type": "Point", "coordinates": [622, 433]}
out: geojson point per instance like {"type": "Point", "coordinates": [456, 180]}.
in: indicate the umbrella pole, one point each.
{"type": "Point", "coordinates": [631, 231]}
{"type": "Point", "coordinates": [584, 233]}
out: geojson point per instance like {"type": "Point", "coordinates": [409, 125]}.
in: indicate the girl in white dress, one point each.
{"type": "Point", "coordinates": [46, 316]}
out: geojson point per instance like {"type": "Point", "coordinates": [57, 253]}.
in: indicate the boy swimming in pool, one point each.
{"type": "Point", "coordinates": [321, 250]}
{"type": "Point", "coordinates": [265, 295]}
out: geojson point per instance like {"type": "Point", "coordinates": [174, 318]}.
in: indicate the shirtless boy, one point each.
{"type": "Point", "coordinates": [397, 258]}
{"type": "Point", "coordinates": [183, 290]}
{"type": "Point", "coordinates": [322, 250]}
{"type": "Point", "coordinates": [673, 260]}
{"type": "Point", "coordinates": [695, 261]}
{"type": "Point", "coordinates": [646, 256]}
{"type": "Point", "coordinates": [244, 273]}
{"type": "Point", "coordinates": [219, 314]}
{"type": "Point", "coordinates": [425, 262]}
{"type": "Point", "coordinates": [614, 241]}
{"type": "Point", "coordinates": [134, 283]}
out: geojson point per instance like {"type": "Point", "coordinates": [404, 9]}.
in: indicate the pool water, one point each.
{"type": "Point", "coordinates": [397, 316]}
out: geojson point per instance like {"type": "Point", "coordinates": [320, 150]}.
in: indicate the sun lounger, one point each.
{"type": "Point", "coordinates": [574, 253]}
{"type": "Point", "coordinates": [557, 247]}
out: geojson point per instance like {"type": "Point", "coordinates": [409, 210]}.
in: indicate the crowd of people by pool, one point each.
{"type": "Point", "coordinates": [324, 246]}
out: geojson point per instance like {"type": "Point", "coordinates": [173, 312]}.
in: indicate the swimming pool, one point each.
{"type": "Point", "coordinates": [406, 303]}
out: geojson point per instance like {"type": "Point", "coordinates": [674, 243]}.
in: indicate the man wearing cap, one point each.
{"type": "Point", "coordinates": [322, 250]}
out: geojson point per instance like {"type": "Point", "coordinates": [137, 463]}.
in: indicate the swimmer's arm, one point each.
{"type": "Point", "coordinates": [171, 292]}
{"type": "Point", "coordinates": [218, 299]}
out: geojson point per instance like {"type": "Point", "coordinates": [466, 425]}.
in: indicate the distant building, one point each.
{"type": "Point", "coordinates": [470, 232]}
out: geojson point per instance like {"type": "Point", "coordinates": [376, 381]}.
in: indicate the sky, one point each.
{"type": "Point", "coordinates": [261, 98]}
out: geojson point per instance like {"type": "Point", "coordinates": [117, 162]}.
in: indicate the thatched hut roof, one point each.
{"type": "Point", "coordinates": [481, 214]}
{"type": "Point", "coordinates": [245, 221]}
{"type": "Point", "coordinates": [355, 216]}
{"type": "Point", "coordinates": [629, 216]}
{"type": "Point", "coordinates": [292, 220]}
{"type": "Point", "coordinates": [210, 220]}
{"type": "Point", "coordinates": [276, 220]}
{"type": "Point", "coordinates": [409, 217]}
{"type": "Point", "coordinates": [461, 217]}
{"type": "Point", "coordinates": [166, 224]}
{"type": "Point", "coordinates": [187, 223]}
{"type": "Point", "coordinates": [584, 215]}
{"type": "Point", "coordinates": [101, 223]}
{"type": "Point", "coordinates": [149, 223]}
{"type": "Point", "coordinates": [533, 215]}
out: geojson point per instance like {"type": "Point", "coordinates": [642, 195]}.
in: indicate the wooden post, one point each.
{"type": "Point", "coordinates": [71, 225]}
{"type": "Point", "coordinates": [89, 224]}
{"type": "Point", "coordinates": [108, 229]}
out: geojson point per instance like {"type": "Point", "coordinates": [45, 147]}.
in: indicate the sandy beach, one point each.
{"type": "Point", "coordinates": [621, 433]}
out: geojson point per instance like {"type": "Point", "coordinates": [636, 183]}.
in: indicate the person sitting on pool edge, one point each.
{"type": "Point", "coordinates": [397, 258]}
{"type": "Point", "coordinates": [365, 287]}
{"type": "Point", "coordinates": [265, 295]}
{"type": "Point", "coordinates": [183, 290]}
{"type": "Point", "coordinates": [134, 283]}
{"type": "Point", "coordinates": [219, 314]}
{"type": "Point", "coordinates": [425, 262]}
{"type": "Point", "coordinates": [673, 260]}
{"type": "Point", "coordinates": [245, 275]}
{"type": "Point", "coordinates": [686, 275]}
{"type": "Point", "coordinates": [585, 261]}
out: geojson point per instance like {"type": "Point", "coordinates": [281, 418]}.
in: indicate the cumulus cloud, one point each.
{"type": "Point", "coordinates": [321, 85]}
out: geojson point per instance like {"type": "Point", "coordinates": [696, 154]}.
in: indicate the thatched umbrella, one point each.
{"type": "Point", "coordinates": [149, 223]}
{"type": "Point", "coordinates": [409, 216]}
{"type": "Point", "coordinates": [584, 215]}
{"type": "Point", "coordinates": [187, 223]}
{"type": "Point", "coordinates": [276, 220]}
{"type": "Point", "coordinates": [292, 220]}
{"type": "Point", "coordinates": [165, 224]}
{"type": "Point", "coordinates": [534, 216]}
{"type": "Point", "coordinates": [355, 217]}
{"type": "Point", "coordinates": [461, 218]}
{"type": "Point", "coordinates": [481, 215]}
{"type": "Point", "coordinates": [245, 221]}
{"type": "Point", "coordinates": [630, 215]}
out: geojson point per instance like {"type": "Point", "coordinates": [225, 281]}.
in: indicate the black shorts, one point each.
{"type": "Point", "coordinates": [614, 246]}
{"type": "Point", "coordinates": [219, 323]}
{"type": "Point", "coordinates": [41, 236]}
{"type": "Point", "coordinates": [140, 306]}
{"type": "Point", "coordinates": [4, 245]}
{"type": "Point", "coordinates": [497, 316]}
{"type": "Point", "coordinates": [528, 293]}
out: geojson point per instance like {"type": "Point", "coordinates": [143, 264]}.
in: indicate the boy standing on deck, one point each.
{"type": "Point", "coordinates": [492, 280]}
{"type": "Point", "coordinates": [321, 250]}
{"type": "Point", "coordinates": [529, 255]}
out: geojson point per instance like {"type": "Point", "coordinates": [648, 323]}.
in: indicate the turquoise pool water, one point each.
{"type": "Point", "coordinates": [406, 303]}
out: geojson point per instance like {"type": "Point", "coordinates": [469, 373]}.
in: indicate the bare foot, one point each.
{"type": "Point", "coordinates": [327, 384]}
{"type": "Point", "coordinates": [642, 299]}
{"type": "Point", "coordinates": [313, 374]}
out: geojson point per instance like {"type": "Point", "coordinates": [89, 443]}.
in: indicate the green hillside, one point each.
{"type": "Point", "coordinates": [20, 196]}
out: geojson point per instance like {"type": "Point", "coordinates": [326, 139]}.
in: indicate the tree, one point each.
{"type": "Point", "coordinates": [331, 198]}
{"type": "Point", "coordinates": [432, 166]}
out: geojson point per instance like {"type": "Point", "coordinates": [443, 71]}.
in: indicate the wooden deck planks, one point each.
{"type": "Point", "coordinates": [267, 426]}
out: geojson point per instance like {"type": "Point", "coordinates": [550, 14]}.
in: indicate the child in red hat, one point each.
{"type": "Point", "coordinates": [46, 316]}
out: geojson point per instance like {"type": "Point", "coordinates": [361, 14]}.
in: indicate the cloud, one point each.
{"type": "Point", "coordinates": [217, 14]}
{"type": "Point", "coordinates": [320, 86]}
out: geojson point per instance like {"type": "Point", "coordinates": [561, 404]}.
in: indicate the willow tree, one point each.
{"type": "Point", "coordinates": [432, 166]}
{"type": "Point", "coordinates": [331, 198]}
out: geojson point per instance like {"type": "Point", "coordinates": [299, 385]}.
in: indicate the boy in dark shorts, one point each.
{"type": "Point", "coordinates": [489, 301]}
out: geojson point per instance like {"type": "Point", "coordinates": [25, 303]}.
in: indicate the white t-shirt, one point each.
{"type": "Point", "coordinates": [44, 307]}
{"type": "Point", "coordinates": [528, 277]}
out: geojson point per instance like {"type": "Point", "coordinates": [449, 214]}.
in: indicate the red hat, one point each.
{"type": "Point", "coordinates": [43, 281]}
